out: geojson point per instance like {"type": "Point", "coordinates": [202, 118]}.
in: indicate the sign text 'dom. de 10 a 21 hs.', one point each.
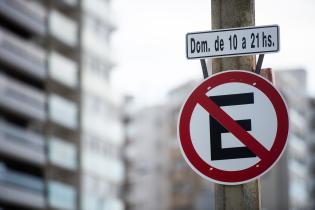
{"type": "Point", "coordinates": [233, 42]}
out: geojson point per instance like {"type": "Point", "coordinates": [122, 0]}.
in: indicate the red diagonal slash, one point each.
{"type": "Point", "coordinates": [233, 127]}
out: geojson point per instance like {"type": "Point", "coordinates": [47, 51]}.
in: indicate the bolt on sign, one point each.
{"type": "Point", "coordinates": [233, 127]}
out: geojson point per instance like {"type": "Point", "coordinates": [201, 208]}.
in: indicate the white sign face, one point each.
{"type": "Point", "coordinates": [252, 111]}
{"type": "Point", "coordinates": [233, 42]}
{"type": "Point", "coordinates": [233, 127]}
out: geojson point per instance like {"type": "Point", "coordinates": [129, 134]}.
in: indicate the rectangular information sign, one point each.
{"type": "Point", "coordinates": [233, 42]}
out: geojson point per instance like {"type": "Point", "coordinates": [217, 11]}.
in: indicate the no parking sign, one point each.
{"type": "Point", "coordinates": [233, 127]}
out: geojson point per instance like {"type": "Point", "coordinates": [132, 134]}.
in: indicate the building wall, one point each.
{"type": "Point", "coordinates": [152, 136]}
{"type": "Point", "coordinates": [102, 132]}
{"type": "Point", "coordinates": [286, 185]}
{"type": "Point", "coordinates": [312, 152]}
{"type": "Point", "coordinates": [39, 105]}
{"type": "Point", "coordinates": [145, 159]}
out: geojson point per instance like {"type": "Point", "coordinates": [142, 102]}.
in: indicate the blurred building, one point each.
{"type": "Point", "coordinates": [146, 158]}
{"type": "Point", "coordinates": [154, 160]}
{"type": "Point", "coordinates": [102, 133]}
{"type": "Point", "coordinates": [60, 122]}
{"type": "Point", "coordinates": [312, 151]}
{"type": "Point", "coordinates": [187, 189]}
{"type": "Point", "coordinates": [287, 185]}
{"type": "Point", "coordinates": [39, 102]}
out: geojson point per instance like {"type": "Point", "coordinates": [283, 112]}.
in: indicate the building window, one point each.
{"type": "Point", "coordinates": [101, 146]}
{"type": "Point", "coordinates": [96, 65]}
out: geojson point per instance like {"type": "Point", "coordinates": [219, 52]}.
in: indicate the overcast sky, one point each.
{"type": "Point", "coordinates": [149, 44]}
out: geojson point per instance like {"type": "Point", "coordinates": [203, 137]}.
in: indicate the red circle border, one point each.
{"type": "Point", "coordinates": [246, 175]}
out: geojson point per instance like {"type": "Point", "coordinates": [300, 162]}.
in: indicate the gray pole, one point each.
{"type": "Point", "coordinates": [232, 14]}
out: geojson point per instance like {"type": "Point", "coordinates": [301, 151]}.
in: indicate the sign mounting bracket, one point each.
{"type": "Point", "coordinates": [257, 70]}
{"type": "Point", "coordinates": [259, 63]}
{"type": "Point", "coordinates": [204, 68]}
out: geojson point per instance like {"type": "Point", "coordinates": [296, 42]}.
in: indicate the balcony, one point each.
{"type": "Point", "coordinates": [20, 179]}
{"type": "Point", "coordinates": [61, 196]}
{"type": "Point", "coordinates": [27, 15]}
{"type": "Point", "coordinates": [63, 28]}
{"type": "Point", "coordinates": [21, 55]}
{"type": "Point", "coordinates": [62, 154]}
{"type": "Point", "coordinates": [63, 111]}
{"type": "Point", "coordinates": [21, 144]}
{"type": "Point", "coordinates": [22, 99]}
{"type": "Point", "coordinates": [21, 189]}
{"type": "Point", "coordinates": [63, 70]}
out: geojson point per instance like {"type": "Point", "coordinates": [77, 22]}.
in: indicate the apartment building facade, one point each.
{"type": "Point", "coordinates": [39, 106]}
{"type": "Point", "coordinates": [51, 72]}
{"type": "Point", "coordinates": [102, 131]}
